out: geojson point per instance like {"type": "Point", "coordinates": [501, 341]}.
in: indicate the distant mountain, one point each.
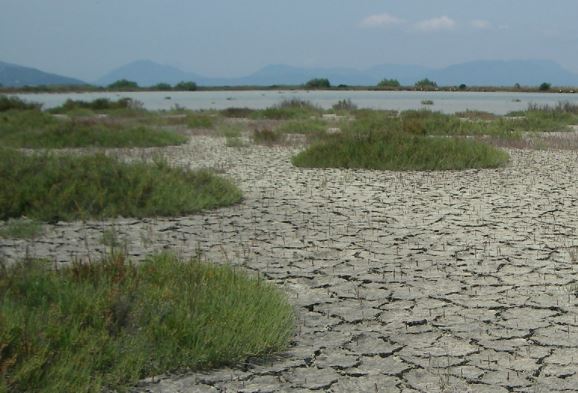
{"type": "Point", "coordinates": [148, 73]}
{"type": "Point", "coordinates": [475, 73]}
{"type": "Point", "coordinates": [12, 75]}
{"type": "Point", "coordinates": [505, 73]}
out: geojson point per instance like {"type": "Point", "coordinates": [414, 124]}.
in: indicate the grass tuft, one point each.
{"type": "Point", "coordinates": [51, 188]}
{"type": "Point", "coordinates": [105, 325]}
{"type": "Point", "coordinates": [21, 228]}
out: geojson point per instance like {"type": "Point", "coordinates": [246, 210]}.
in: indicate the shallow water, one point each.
{"type": "Point", "coordinates": [449, 102]}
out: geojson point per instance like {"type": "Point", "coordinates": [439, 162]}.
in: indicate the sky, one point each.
{"type": "Point", "coordinates": [230, 38]}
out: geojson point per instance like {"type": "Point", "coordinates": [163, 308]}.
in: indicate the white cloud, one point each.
{"type": "Point", "coordinates": [436, 24]}
{"type": "Point", "coordinates": [381, 20]}
{"type": "Point", "coordinates": [481, 24]}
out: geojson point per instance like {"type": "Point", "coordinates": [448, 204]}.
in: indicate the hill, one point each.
{"type": "Point", "coordinates": [13, 75]}
{"type": "Point", "coordinates": [475, 73]}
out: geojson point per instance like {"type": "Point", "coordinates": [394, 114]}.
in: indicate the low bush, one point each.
{"type": "Point", "coordinates": [237, 112]}
{"type": "Point", "coordinates": [399, 151]}
{"type": "Point", "coordinates": [97, 105]}
{"type": "Point", "coordinates": [29, 129]}
{"type": "Point", "coordinates": [266, 136]}
{"type": "Point", "coordinates": [52, 188]}
{"type": "Point", "coordinates": [302, 126]}
{"type": "Point", "coordinates": [103, 326]}
{"type": "Point", "coordinates": [14, 103]}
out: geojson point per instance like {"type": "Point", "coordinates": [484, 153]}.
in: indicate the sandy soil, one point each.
{"type": "Point", "coordinates": [402, 282]}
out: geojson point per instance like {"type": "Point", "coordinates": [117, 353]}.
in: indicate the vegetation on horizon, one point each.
{"type": "Point", "coordinates": [318, 83]}
{"type": "Point", "coordinates": [103, 326]}
{"type": "Point", "coordinates": [51, 188]}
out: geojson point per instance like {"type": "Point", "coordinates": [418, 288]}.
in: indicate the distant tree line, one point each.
{"type": "Point", "coordinates": [124, 84]}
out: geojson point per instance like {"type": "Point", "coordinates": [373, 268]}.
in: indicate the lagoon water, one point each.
{"type": "Point", "coordinates": [449, 102]}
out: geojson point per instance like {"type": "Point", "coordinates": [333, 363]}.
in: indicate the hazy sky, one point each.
{"type": "Point", "coordinates": [87, 38]}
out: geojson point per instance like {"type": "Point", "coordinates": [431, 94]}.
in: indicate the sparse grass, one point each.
{"type": "Point", "coordinates": [476, 115]}
{"type": "Point", "coordinates": [302, 126]}
{"type": "Point", "coordinates": [288, 109]}
{"type": "Point", "coordinates": [237, 112]}
{"type": "Point", "coordinates": [200, 120]}
{"type": "Point", "coordinates": [345, 105]}
{"type": "Point", "coordinates": [21, 228]}
{"type": "Point", "coordinates": [33, 129]}
{"type": "Point", "coordinates": [267, 137]}
{"type": "Point", "coordinates": [51, 188]}
{"type": "Point", "coordinates": [105, 325]}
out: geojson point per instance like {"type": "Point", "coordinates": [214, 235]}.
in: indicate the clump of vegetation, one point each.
{"type": "Point", "coordinates": [97, 105]}
{"type": "Point", "coordinates": [302, 126]}
{"type": "Point", "coordinates": [186, 86]}
{"type": "Point", "coordinates": [51, 188]}
{"type": "Point", "coordinates": [21, 228]}
{"type": "Point", "coordinates": [318, 83]}
{"type": "Point", "coordinates": [377, 140]}
{"type": "Point", "coordinates": [426, 84]}
{"type": "Point", "coordinates": [30, 129]}
{"type": "Point", "coordinates": [237, 112]}
{"type": "Point", "coordinates": [427, 102]}
{"type": "Point", "coordinates": [476, 115]}
{"type": "Point", "coordinates": [400, 152]}
{"type": "Point", "coordinates": [345, 105]}
{"type": "Point", "coordinates": [388, 84]}
{"type": "Point", "coordinates": [102, 326]}
{"type": "Point", "coordinates": [289, 109]}
{"type": "Point", "coordinates": [545, 86]}
{"type": "Point", "coordinates": [200, 120]}
{"type": "Point", "coordinates": [123, 84]}
{"type": "Point", "coordinates": [14, 103]}
{"type": "Point", "coordinates": [266, 136]}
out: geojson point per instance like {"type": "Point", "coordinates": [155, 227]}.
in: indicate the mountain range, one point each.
{"type": "Point", "coordinates": [475, 73]}
{"type": "Point", "coordinates": [13, 75]}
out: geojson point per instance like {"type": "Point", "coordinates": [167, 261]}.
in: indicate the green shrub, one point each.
{"type": "Point", "coordinates": [237, 112]}
{"type": "Point", "coordinates": [388, 83]}
{"type": "Point", "coordinates": [289, 109]}
{"type": "Point", "coordinates": [344, 105]}
{"type": "Point", "coordinates": [426, 84]}
{"type": "Point", "coordinates": [103, 326]}
{"type": "Point", "coordinates": [186, 86]}
{"type": "Point", "coordinates": [51, 188]}
{"type": "Point", "coordinates": [40, 130]}
{"type": "Point", "coordinates": [15, 103]}
{"type": "Point", "coordinates": [399, 151]}
{"type": "Point", "coordinates": [123, 84]}
{"type": "Point", "coordinates": [162, 87]}
{"type": "Point", "coordinates": [99, 104]}
{"type": "Point", "coordinates": [302, 126]}
{"type": "Point", "coordinates": [199, 120]}
{"type": "Point", "coordinates": [318, 83]}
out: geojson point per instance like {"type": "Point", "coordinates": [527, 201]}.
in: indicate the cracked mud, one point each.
{"type": "Point", "coordinates": [402, 282]}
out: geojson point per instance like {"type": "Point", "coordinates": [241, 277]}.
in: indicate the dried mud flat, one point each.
{"type": "Point", "coordinates": [402, 282]}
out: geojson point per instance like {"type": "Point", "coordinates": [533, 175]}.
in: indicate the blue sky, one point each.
{"type": "Point", "coordinates": [87, 38]}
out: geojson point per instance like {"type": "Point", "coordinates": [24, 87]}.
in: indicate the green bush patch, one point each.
{"type": "Point", "coordinates": [105, 325]}
{"type": "Point", "coordinates": [33, 129]}
{"type": "Point", "coordinates": [49, 188]}
{"type": "Point", "coordinates": [400, 152]}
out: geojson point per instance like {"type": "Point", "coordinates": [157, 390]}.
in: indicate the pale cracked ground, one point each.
{"type": "Point", "coordinates": [402, 282]}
